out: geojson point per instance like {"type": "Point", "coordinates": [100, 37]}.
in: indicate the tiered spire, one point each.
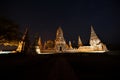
{"type": "Point", "coordinates": [79, 41]}
{"type": "Point", "coordinates": [93, 34]}
{"type": "Point", "coordinates": [21, 42]}
{"type": "Point", "coordinates": [44, 45]}
{"type": "Point", "coordinates": [93, 37]}
{"type": "Point", "coordinates": [70, 45]}
{"type": "Point", "coordinates": [59, 34]}
{"type": "Point", "coordinates": [24, 35]}
{"type": "Point", "coordinates": [60, 44]}
{"type": "Point", "coordinates": [39, 42]}
{"type": "Point", "coordinates": [38, 46]}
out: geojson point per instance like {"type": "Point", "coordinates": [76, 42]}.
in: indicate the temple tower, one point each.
{"type": "Point", "coordinates": [44, 46]}
{"type": "Point", "coordinates": [38, 46]}
{"type": "Point", "coordinates": [40, 43]}
{"type": "Point", "coordinates": [70, 45]}
{"type": "Point", "coordinates": [21, 44]}
{"type": "Point", "coordinates": [79, 42]}
{"type": "Point", "coordinates": [60, 44]}
{"type": "Point", "coordinates": [96, 42]}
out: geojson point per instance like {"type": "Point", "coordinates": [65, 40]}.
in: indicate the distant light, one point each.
{"type": "Point", "coordinates": [7, 52]}
{"type": "Point", "coordinates": [37, 49]}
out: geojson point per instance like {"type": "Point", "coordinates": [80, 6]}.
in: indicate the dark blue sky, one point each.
{"type": "Point", "coordinates": [75, 17]}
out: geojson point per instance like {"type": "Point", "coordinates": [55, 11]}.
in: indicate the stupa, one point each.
{"type": "Point", "coordinates": [61, 46]}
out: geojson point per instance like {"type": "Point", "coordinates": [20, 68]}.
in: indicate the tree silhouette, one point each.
{"type": "Point", "coordinates": [9, 30]}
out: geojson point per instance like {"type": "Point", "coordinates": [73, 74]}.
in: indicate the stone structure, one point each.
{"type": "Point", "coordinates": [40, 43]}
{"type": "Point", "coordinates": [79, 42]}
{"type": "Point", "coordinates": [70, 45]}
{"type": "Point", "coordinates": [38, 46]}
{"type": "Point", "coordinates": [95, 44]}
{"type": "Point", "coordinates": [60, 43]}
{"type": "Point", "coordinates": [21, 44]}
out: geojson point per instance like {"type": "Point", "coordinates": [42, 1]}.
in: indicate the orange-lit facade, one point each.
{"type": "Point", "coordinates": [59, 45]}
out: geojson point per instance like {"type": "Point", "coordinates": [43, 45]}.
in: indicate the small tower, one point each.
{"type": "Point", "coordinates": [20, 46]}
{"type": "Point", "coordinates": [39, 43]}
{"type": "Point", "coordinates": [22, 43]}
{"type": "Point", "coordinates": [70, 45]}
{"type": "Point", "coordinates": [44, 47]}
{"type": "Point", "coordinates": [37, 46]}
{"type": "Point", "coordinates": [79, 42]}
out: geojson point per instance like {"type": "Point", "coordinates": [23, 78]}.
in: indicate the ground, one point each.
{"type": "Point", "coordinates": [59, 66]}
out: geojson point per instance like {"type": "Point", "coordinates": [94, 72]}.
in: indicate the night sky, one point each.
{"type": "Point", "coordinates": [74, 17]}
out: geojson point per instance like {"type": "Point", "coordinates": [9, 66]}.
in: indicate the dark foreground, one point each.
{"type": "Point", "coordinates": [59, 66]}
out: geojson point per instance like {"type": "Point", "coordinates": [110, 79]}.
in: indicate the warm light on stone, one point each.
{"type": "Point", "coordinates": [37, 48]}
{"type": "Point", "coordinates": [20, 46]}
{"type": "Point", "coordinates": [61, 46]}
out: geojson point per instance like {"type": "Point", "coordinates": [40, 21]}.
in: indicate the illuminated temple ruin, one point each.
{"type": "Point", "coordinates": [59, 45]}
